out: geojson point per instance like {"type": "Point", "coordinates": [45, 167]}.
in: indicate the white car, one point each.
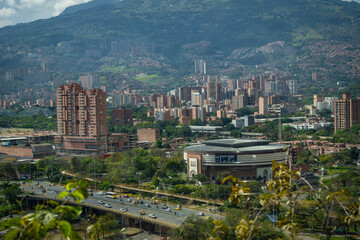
{"type": "Point", "coordinates": [108, 205]}
{"type": "Point", "coordinates": [100, 193]}
{"type": "Point", "coordinates": [151, 215]}
{"type": "Point", "coordinates": [101, 202]}
{"type": "Point", "coordinates": [200, 214]}
{"type": "Point", "coordinates": [123, 209]}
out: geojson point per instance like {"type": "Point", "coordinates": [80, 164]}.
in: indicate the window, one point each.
{"type": "Point", "coordinates": [193, 163]}
{"type": "Point", "coordinates": [232, 158]}
{"type": "Point", "coordinates": [224, 158]}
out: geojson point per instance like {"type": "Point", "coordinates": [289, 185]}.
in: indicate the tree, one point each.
{"type": "Point", "coordinates": [195, 228]}
{"type": "Point", "coordinates": [37, 224]}
{"type": "Point", "coordinates": [108, 223]}
{"type": "Point", "coordinates": [197, 122]}
{"type": "Point", "coordinates": [325, 113]}
{"type": "Point", "coordinates": [11, 193]}
{"type": "Point", "coordinates": [283, 195]}
{"type": "Point", "coordinates": [200, 177]}
{"type": "Point", "coordinates": [75, 164]}
{"type": "Point", "coordinates": [159, 144]}
{"type": "Point", "coordinates": [53, 173]}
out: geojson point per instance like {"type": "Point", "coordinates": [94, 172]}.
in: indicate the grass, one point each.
{"type": "Point", "coordinates": [337, 170]}
{"type": "Point", "coordinates": [153, 79]}
{"type": "Point", "coordinates": [113, 69]}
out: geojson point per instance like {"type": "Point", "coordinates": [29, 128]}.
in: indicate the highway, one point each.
{"type": "Point", "coordinates": [123, 186]}
{"type": "Point", "coordinates": [122, 203]}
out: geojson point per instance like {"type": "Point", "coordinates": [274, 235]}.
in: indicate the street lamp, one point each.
{"type": "Point", "coordinates": [94, 169]}
{"type": "Point", "coordinates": [139, 173]}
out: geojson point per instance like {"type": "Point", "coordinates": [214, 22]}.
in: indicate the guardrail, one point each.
{"type": "Point", "coordinates": [127, 214]}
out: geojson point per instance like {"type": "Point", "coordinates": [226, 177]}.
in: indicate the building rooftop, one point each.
{"type": "Point", "coordinates": [237, 146]}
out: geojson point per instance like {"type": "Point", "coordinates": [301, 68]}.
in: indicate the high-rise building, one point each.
{"type": "Point", "coordinates": [346, 113]}
{"type": "Point", "coordinates": [318, 98]}
{"type": "Point", "coordinates": [214, 90]}
{"type": "Point", "coordinates": [263, 105]}
{"type": "Point", "coordinates": [89, 81]}
{"type": "Point", "coordinates": [200, 66]}
{"type": "Point", "coordinates": [122, 117]}
{"type": "Point", "coordinates": [185, 92]}
{"type": "Point", "coordinates": [197, 98]}
{"type": "Point", "coordinates": [81, 120]}
{"type": "Point", "coordinates": [293, 87]}
{"type": "Point", "coordinates": [239, 101]}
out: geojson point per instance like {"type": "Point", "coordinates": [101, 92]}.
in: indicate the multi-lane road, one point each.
{"type": "Point", "coordinates": [169, 215]}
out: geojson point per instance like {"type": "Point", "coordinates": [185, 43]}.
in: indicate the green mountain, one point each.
{"type": "Point", "coordinates": [225, 24]}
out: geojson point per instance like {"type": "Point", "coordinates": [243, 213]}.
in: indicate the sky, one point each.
{"type": "Point", "coordinates": [20, 11]}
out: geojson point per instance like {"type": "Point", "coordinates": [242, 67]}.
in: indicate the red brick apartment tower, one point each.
{"type": "Point", "coordinates": [346, 112]}
{"type": "Point", "coordinates": [81, 120]}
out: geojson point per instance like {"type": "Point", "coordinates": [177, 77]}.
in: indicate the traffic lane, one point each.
{"type": "Point", "coordinates": [118, 205]}
{"type": "Point", "coordinates": [173, 219]}
{"type": "Point", "coordinates": [185, 212]}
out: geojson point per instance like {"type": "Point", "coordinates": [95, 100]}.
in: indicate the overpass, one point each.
{"type": "Point", "coordinates": [128, 219]}
{"type": "Point", "coordinates": [157, 193]}
{"type": "Point", "coordinates": [167, 216]}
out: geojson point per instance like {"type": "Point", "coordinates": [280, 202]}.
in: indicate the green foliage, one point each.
{"type": "Point", "coordinates": [348, 136]}
{"type": "Point", "coordinates": [197, 122]}
{"type": "Point", "coordinates": [325, 113]}
{"type": "Point", "coordinates": [212, 191]}
{"type": "Point", "coordinates": [195, 228]}
{"type": "Point", "coordinates": [200, 177]}
{"type": "Point", "coordinates": [11, 192]}
{"type": "Point", "coordinates": [37, 122]}
{"type": "Point", "coordinates": [293, 214]}
{"type": "Point", "coordinates": [245, 111]}
{"type": "Point", "coordinates": [122, 167]}
{"type": "Point", "coordinates": [38, 224]}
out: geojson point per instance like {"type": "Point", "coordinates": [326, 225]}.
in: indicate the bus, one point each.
{"type": "Point", "coordinates": [111, 195]}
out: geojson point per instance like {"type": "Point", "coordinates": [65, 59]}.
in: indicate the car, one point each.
{"type": "Point", "coordinates": [134, 202]}
{"type": "Point", "coordinates": [44, 191]}
{"type": "Point", "coordinates": [123, 209]}
{"type": "Point", "coordinates": [22, 182]}
{"type": "Point", "coordinates": [154, 202]}
{"type": "Point", "coordinates": [126, 196]}
{"type": "Point", "coordinates": [147, 205]}
{"type": "Point", "coordinates": [178, 207]}
{"type": "Point", "coordinates": [101, 202]}
{"type": "Point", "coordinates": [142, 212]}
{"type": "Point", "coordinates": [128, 200]}
{"type": "Point", "coordinates": [164, 207]}
{"type": "Point", "coordinates": [200, 214]}
{"type": "Point", "coordinates": [100, 193]}
{"type": "Point", "coordinates": [151, 215]}
{"type": "Point", "coordinates": [107, 205]}
{"type": "Point", "coordinates": [168, 210]}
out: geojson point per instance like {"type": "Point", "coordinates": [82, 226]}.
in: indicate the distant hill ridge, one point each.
{"type": "Point", "coordinates": [225, 25]}
{"type": "Point", "coordinates": [84, 6]}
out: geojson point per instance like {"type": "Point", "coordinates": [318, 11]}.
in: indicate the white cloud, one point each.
{"type": "Point", "coordinates": [11, 3]}
{"type": "Point", "coordinates": [30, 3]}
{"type": "Point", "coordinates": [7, 12]}
{"type": "Point", "coordinates": [62, 4]}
